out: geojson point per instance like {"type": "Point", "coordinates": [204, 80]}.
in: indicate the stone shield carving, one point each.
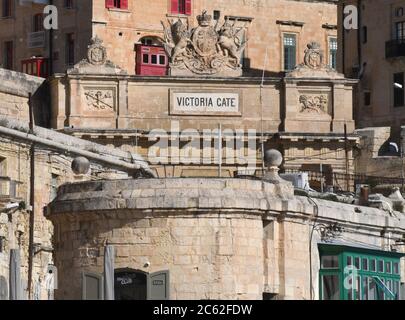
{"type": "Point", "coordinates": [96, 53]}
{"type": "Point", "coordinates": [313, 56]}
{"type": "Point", "coordinates": [206, 49]}
{"type": "Point", "coordinates": [311, 104]}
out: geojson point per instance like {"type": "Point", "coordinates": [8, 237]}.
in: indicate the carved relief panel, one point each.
{"type": "Point", "coordinates": [100, 98]}
{"type": "Point", "coordinates": [314, 104]}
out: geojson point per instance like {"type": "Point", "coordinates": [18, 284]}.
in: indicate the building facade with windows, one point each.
{"type": "Point", "coordinates": [374, 52]}
{"type": "Point", "coordinates": [279, 29]}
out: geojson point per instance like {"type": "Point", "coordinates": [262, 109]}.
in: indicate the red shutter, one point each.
{"type": "Point", "coordinates": [109, 3]}
{"type": "Point", "coordinates": [124, 4]}
{"type": "Point", "coordinates": [188, 7]}
{"type": "Point", "coordinates": [174, 6]}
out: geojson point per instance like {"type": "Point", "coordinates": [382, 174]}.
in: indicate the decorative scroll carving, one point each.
{"type": "Point", "coordinates": [309, 104]}
{"type": "Point", "coordinates": [100, 99]}
{"type": "Point", "coordinates": [204, 50]}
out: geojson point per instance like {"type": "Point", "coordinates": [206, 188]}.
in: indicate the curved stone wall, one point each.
{"type": "Point", "coordinates": [207, 232]}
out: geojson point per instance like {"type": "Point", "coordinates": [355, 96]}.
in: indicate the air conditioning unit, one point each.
{"type": "Point", "coordinates": [299, 180]}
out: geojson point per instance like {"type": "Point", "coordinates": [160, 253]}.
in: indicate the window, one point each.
{"type": "Point", "coordinates": [399, 12]}
{"type": "Point", "coordinates": [372, 265]}
{"type": "Point", "coordinates": [357, 262]}
{"type": "Point", "coordinates": [398, 89]}
{"type": "Point", "coordinates": [365, 34]}
{"type": "Point", "coordinates": [217, 15]}
{"type": "Point", "coordinates": [151, 60]}
{"type": "Point", "coordinates": [290, 51]}
{"type": "Point", "coordinates": [330, 287]}
{"type": "Point", "coordinates": [117, 4]}
{"type": "Point", "coordinates": [38, 22]}
{"type": "Point", "coordinates": [364, 265]}
{"type": "Point", "coordinates": [181, 7]}
{"type": "Point", "coordinates": [395, 268]}
{"type": "Point", "coordinates": [367, 98]}
{"type": "Point", "coordinates": [380, 266]}
{"type": "Point", "coordinates": [6, 9]}
{"type": "Point", "coordinates": [8, 55]}
{"type": "Point", "coordinates": [68, 4]}
{"type": "Point", "coordinates": [400, 30]}
{"type": "Point", "coordinates": [70, 49]}
{"type": "Point", "coordinates": [147, 41]}
{"type": "Point", "coordinates": [377, 279]}
{"type": "Point", "coordinates": [333, 46]}
{"type": "Point", "coordinates": [388, 267]}
{"type": "Point", "coordinates": [330, 262]}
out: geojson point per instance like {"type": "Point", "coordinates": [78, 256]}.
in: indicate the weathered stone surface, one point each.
{"type": "Point", "coordinates": [248, 239]}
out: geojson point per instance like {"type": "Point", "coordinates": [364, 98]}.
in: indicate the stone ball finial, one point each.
{"type": "Point", "coordinates": [273, 158]}
{"type": "Point", "coordinates": [80, 165]}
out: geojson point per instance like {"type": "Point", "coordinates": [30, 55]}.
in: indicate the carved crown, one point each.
{"type": "Point", "coordinates": [204, 20]}
{"type": "Point", "coordinates": [314, 45]}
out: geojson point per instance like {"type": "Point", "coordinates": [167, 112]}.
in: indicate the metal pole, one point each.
{"type": "Point", "coordinates": [220, 150]}
{"type": "Point", "coordinates": [321, 168]}
{"type": "Point", "coordinates": [402, 164]}
{"type": "Point", "coordinates": [347, 159]}
{"type": "Point", "coordinates": [261, 112]}
{"type": "Point", "coordinates": [32, 202]}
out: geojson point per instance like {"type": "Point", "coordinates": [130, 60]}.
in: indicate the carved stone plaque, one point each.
{"type": "Point", "coordinates": [100, 98]}
{"type": "Point", "coordinates": [314, 103]}
{"type": "Point", "coordinates": [205, 103]}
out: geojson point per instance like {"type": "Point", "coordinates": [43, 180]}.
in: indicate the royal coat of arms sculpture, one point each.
{"type": "Point", "coordinates": [204, 50]}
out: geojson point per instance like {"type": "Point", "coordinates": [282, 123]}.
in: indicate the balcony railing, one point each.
{"type": "Point", "coordinates": [395, 48]}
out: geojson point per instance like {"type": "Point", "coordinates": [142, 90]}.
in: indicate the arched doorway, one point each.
{"type": "Point", "coordinates": [151, 41]}
{"type": "Point", "coordinates": [130, 285]}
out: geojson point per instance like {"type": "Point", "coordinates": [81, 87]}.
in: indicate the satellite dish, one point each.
{"type": "Point", "coordinates": [3, 289]}
{"type": "Point", "coordinates": [80, 165]}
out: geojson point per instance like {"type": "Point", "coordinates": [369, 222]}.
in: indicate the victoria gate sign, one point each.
{"type": "Point", "coordinates": [204, 103]}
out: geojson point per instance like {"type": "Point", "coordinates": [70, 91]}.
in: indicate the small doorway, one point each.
{"type": "Point", "coordinates": [130, 285]}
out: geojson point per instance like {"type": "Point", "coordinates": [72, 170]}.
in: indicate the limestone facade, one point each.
{"type": "Point", "coordinates": [373, 52]}
{"type": "Point", "coordinates": [308, 109]}
{"type": "Point", "coordinates": [52, 167]}
{"type": "Point", "coordinates": [265, 21]}
{"type": "Point", "coordinates": [218, 238]}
